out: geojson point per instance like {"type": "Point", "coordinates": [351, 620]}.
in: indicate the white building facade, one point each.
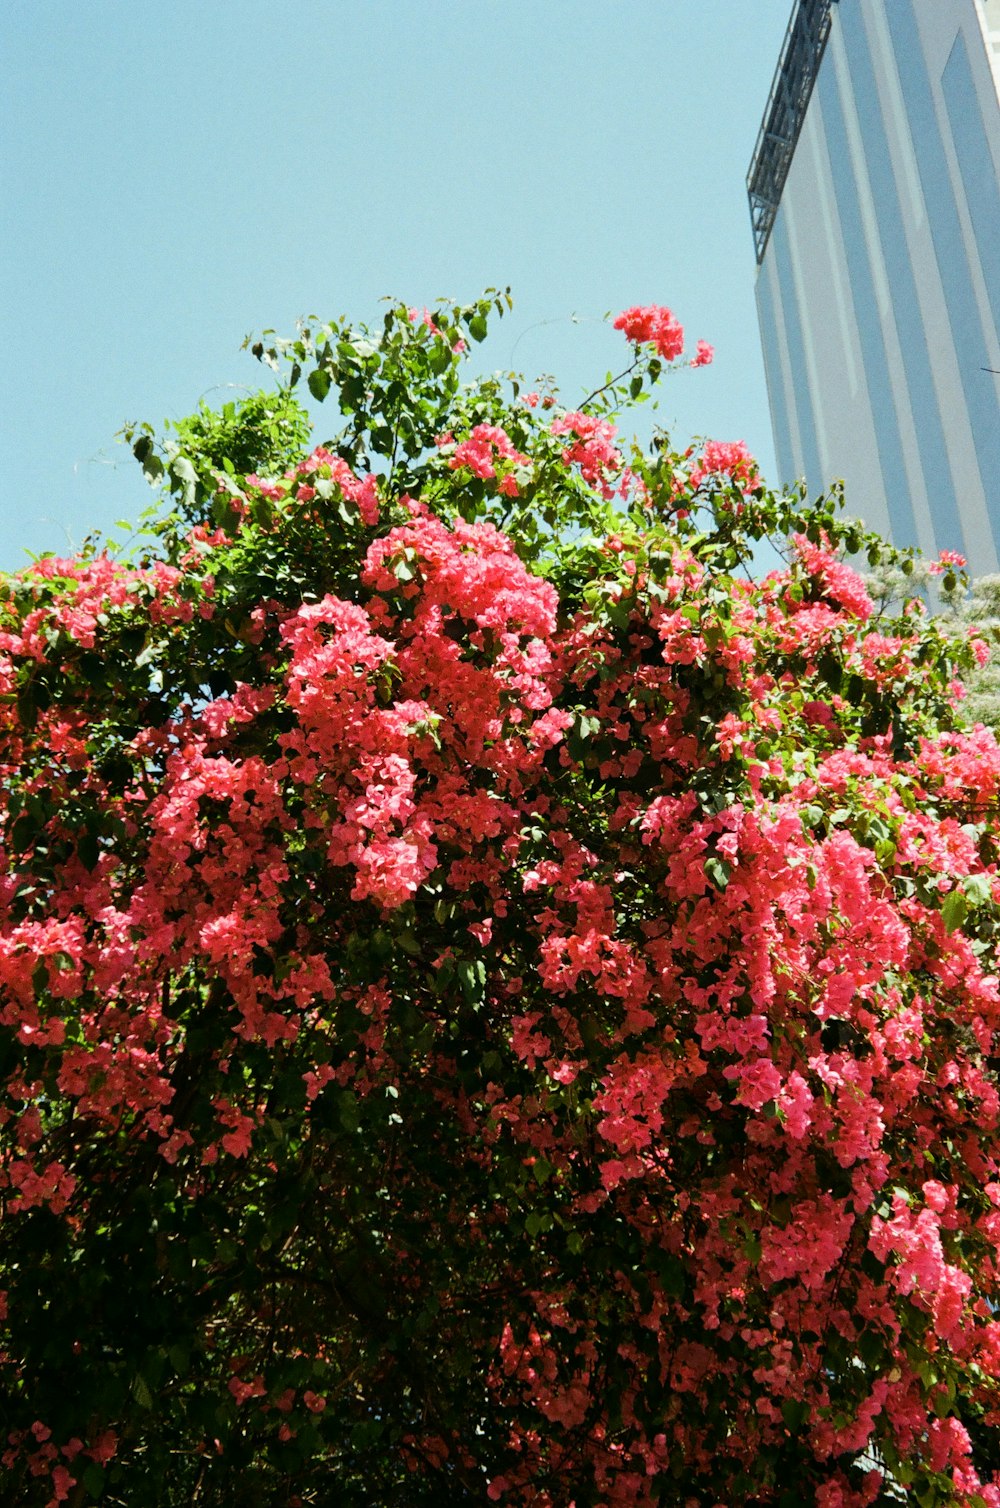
{"type": "Point", "coordinates": [875, 198]}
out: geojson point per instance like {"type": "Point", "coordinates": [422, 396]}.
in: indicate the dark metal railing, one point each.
{"type": "Point", "coordinates": [794, 78]}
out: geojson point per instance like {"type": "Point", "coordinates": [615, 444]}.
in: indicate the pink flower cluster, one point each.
{"type": "Point", "coordinates": [842, 585]}
{"type": "Point", "coordinates": [593, 449]}
{"type": "Point", "coordinates": [654, 325]}
{"type": "Point", "coordinates": [487, 444]}
{"type": "Point", "coordinates": [948, 560]}
{"type": "Point", "coordinates": [726, 458]}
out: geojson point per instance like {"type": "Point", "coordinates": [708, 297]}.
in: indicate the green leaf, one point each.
{"type": "Point", "coordinates": [954, 911]}
{"type": "Point", "coordinates": [348, 1110]}
{"type": "Point", "coordinates": [88, 849]}
{"type": "Point", "coordinates": [182, 467]}
{"type": "Point", "coordinates": [93, 1480]}
{"type": "Point", "coordinates": [673, 1277]}
{"type": "Point", "coordinates": [440, 358]}
{"type": "Point", "coordinates": [794, 1412]}
{"type": "Point", "coordinates": [977, 889]}
{"type": "Point", "coordinates": [319, 383]}
{"type": "Point", "coordinates": [180, 1359]}
{"type": "Point", "coordinates": [885, 852]}
{"type": "Point", "coordinates": [471, 976]}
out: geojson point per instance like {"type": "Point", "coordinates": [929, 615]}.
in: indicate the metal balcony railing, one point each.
{"type": "Point", "coordinates": [794, 78]}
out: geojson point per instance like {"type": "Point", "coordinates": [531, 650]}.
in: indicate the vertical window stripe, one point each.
{"type": "Point", "coordinates": [801, 395]}
{"type": "Point", "coordinates": [950, 252]}
{"type": "Point", "coordinates": [976, 165]}
{"type": "Point", "coordinates": [775, 380]}
{"type": "Point", "coordinates": [873, 351]}
{"type": "Point", "coordinates": [918, 375]}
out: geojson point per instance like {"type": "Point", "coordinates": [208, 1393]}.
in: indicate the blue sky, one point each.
{"type": "Point", "coordinates": [176, 174]}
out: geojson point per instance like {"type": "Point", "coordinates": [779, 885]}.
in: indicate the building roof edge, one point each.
{"type": "Point", "coordinates": [785, 111]}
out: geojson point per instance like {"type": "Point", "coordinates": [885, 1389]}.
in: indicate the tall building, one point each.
{"type": "Point", "coordinates": [875, 199]}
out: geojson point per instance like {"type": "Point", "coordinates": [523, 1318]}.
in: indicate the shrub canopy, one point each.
{"type": "Point", "coordinates": [496, 1003]}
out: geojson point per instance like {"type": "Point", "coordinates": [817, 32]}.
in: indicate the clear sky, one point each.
{"type": "Point", "coordinates": [177, 173]}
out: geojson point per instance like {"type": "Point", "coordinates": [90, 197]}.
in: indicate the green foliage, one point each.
{"type": "Point", "coordinates": [394, 387]}
{"type": "Point", "coordinates": [264, 432]}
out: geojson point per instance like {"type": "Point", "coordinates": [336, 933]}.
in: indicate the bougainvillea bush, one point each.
{"type": "Point", "coordinates": [497, 1004]}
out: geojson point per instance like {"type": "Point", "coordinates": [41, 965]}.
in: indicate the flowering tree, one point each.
{"type": "Point", "coordinates": [496, 1004]}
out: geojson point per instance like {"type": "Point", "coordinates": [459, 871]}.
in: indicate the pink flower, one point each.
{"type": "Point", "coordinates": [946, 561]}
{"type": "Point", "coordinates": [759, 1081]}
{"type": "Point", "coordinates": [726, 458]}
{"type": "Point", "coordinates": [839, 582]}
{"type": "Point", "coordinates": [593, 451]}
{"type": "Point", "coordinates": [104, 1448]}
{"type": "Point", "coordinates": [243, 1391]}
{"type": "Point", "coordinates": [980, 649]}
{"type": "Point", "coordinates": [424, 317]}
{"type": "Point", "coordinates": [239, 1137]}
{"type": "Point", "coordinates": [316, 1080]}
{"type": "Point", "coordinates": [653, 325]}
{"type": "Point", "coordinates": [704, 354]}
{"type": "Point", "coordinates": [61, 1484]}
{"type": "Point", "coordinates": [480, 451]}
